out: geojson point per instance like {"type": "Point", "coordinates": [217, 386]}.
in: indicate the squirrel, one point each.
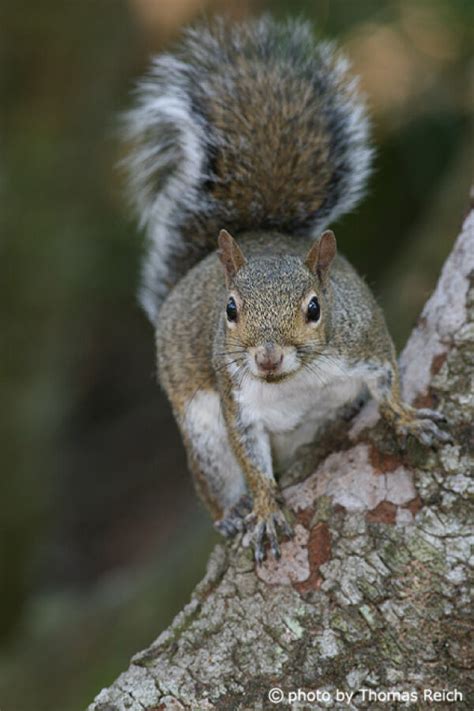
{"type": "Point", "coordinates": [246, 142]}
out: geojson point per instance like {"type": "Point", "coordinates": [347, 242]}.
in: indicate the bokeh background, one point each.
{"type": "Point", "coordinates": [101, 537]}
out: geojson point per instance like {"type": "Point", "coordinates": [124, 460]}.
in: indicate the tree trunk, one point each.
{"type": "Point", "coordinates": [369, 605]}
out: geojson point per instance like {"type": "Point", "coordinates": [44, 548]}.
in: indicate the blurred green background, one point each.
{"type": "Point", "coordinates": [101, 537]}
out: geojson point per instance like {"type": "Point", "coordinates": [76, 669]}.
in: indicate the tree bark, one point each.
{"type": "Point", "coordinates": [371, 598]}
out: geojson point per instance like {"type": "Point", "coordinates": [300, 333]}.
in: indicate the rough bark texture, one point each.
{"type": "Point", "coordinates": [373, 592]}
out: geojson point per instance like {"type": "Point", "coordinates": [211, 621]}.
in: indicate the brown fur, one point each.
{"type": "Point", "coordinates": [259, 124]}
{"type": "Point", "coordinates": [256, 129]}
{"type": "Point", "coordinates": [270, 275]}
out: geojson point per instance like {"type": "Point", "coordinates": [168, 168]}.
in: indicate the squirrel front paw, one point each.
{"type": "Point", "coordinates": [265, 524]}
{"type": "Point", "coordinates": [421, 424]}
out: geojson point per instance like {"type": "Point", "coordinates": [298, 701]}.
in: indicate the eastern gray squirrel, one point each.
{"type": "Point", "coordinates": [254, 131]}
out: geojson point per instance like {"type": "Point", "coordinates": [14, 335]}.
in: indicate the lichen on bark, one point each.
{"type": "Point", "coordinates": [373, 592]}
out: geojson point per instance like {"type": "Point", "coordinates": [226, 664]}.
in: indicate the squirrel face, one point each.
{"type": "Point", "coordinates": [276, 316]}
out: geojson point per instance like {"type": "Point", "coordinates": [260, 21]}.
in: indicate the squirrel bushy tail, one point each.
{"type": "Point", "coordinates": [245, 126]}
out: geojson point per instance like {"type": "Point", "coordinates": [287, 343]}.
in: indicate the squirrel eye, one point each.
{"type": "Point", "coordinates": [231, 309]}
{"type": "Point", "coordinates": [314, 310]}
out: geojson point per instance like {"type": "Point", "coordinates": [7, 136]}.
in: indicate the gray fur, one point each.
{"type": "Point", "coordinates": [200, 163]}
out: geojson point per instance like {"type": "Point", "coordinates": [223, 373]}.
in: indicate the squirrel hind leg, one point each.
{"type": "Point", "coordinates": [217, 475]}
{"type": "Point", "coordinates": [232, 521]}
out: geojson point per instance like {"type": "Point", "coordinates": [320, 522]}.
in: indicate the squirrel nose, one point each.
{"type": "Point", "coordinates": [268, 357]}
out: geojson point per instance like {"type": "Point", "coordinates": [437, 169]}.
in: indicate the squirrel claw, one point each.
{"type": "Point", "coordinates": [423, 427]}
{"type": "Point", "coordinates": [273, 538]}
{"type": "Point", "coordinates": [286, 527]}
{"type": "Point", "coordinates": [265, 529]}
{"type": "Point", "coordinates": [426, 413]}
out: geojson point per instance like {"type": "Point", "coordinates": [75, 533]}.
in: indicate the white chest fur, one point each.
{"type": "Point", "coordinates": [292, 411]}
{"type": "Point", "coordinates": [281, 407]}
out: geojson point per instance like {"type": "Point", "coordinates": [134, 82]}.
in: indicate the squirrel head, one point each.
{"type": "Point", "coordinates": [277, 315]}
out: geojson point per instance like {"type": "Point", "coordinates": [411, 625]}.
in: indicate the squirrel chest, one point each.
{"type": "Point", "coordinates": [292, 411]}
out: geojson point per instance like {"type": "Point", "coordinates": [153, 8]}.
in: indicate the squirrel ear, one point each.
{"type": "Point", "coordinates": [319, 258]}
{"type": "Point", "coordinates": [230, 254]}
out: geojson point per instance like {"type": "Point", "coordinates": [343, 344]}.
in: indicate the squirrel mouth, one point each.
{"type": "Point", "coordinates": [274, 377]}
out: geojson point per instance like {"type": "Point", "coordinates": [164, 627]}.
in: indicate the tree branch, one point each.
{"type": "Point", "coordinates": [373, 591]}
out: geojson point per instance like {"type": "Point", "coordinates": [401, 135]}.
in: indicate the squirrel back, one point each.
{"type": "Point", "coordinates": [245, 126]}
